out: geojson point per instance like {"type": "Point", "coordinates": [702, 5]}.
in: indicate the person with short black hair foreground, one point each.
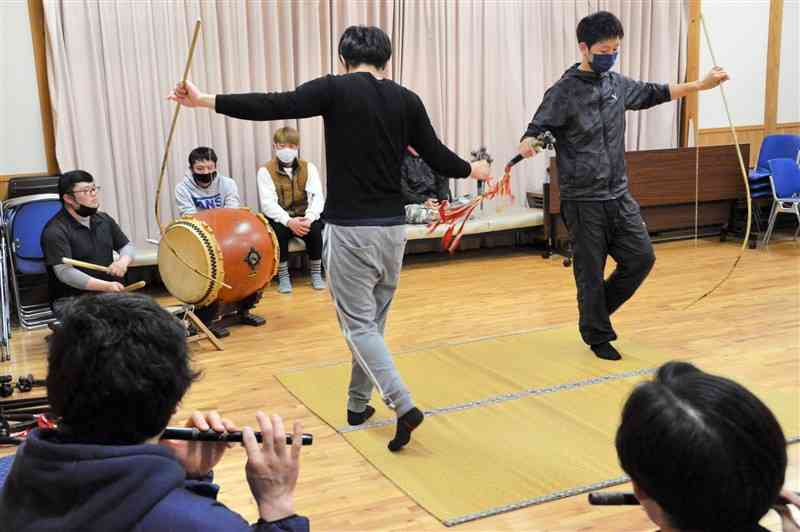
{"type": "Point", "coordinates": [80, 232]}
{"type": "Point", "coordinates": [118, 367]}
{"type": "Point", "coordinates": [703, 453]}
{"type": "Point", "coordinates": [290, 195]}
{"type": "Point", "coordinates": [369, 121]}
{"type": "Point", "coordinates": [585, 111]}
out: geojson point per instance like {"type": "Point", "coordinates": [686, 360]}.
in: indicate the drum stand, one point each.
{"type": "Point", "coordinates": [189, 316]}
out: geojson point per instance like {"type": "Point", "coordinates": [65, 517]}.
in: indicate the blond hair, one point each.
{"type": "Point", "coordinates": [286, 135]}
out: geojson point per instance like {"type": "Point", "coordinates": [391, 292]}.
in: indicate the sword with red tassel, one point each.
{"type": "Point", "coordinates": [456, 217]}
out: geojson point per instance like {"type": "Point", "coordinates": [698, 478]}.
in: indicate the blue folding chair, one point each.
{"type": "Point", "coordinates": [785, 183]}
{"type": "Point", "coordinates": [25, 218]}
{"type": "Point", "coordinates": [773, 147]}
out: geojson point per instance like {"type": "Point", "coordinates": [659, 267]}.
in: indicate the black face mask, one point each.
{"type": "Point", "coordinates": [204, 179]}
{"type": "Point", "coordinates": [85, 211]}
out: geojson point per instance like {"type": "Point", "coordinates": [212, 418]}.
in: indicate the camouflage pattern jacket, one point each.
{"type": "Point", "coordinates": [586, 114]}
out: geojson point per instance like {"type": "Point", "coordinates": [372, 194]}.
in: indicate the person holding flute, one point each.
{"type": "Point", "coordinates": [83, 233]}
{"type": "Point", "coordinates": [703, 453]}
{"type": "Point", "coordinates": [118, 366]}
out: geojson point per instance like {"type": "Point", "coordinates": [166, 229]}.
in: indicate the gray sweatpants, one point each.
{"type": "Point", "coordinates": [363, 268]}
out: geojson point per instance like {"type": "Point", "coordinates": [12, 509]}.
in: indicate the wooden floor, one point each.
{"type": "Point", "coordinates": [748, 328]}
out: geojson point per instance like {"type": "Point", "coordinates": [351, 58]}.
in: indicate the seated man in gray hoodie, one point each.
{"type": "Point", "coordinates": [206, 189]}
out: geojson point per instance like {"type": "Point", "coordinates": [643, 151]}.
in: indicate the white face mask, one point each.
{"type": "Point", "coordinates": [286, 155]}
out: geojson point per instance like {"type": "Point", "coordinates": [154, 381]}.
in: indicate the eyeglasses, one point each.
{"type": "Point", "coordinates": [90, 190]}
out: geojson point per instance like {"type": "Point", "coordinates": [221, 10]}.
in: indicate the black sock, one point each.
{"type": "Point", "coordinates": [405, 424]}
{"type": "Point", "coordinates": [357, 418]}
{"type": "Point", "coordinates": [606, 351]}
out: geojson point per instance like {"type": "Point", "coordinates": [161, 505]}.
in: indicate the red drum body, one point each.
{"type": "Point", "coordinates": [234, 246]}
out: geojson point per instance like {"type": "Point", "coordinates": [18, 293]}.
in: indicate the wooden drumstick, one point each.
{"type": "Point", "coordinates": [104, 269]}
{"type": "Point", "coordinates": [135, 286]}
{"type": "Point", "coordinates": [87, 265]}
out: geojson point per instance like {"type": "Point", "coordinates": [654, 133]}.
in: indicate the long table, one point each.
{"type": "Point", "coordinates": [664, 184]}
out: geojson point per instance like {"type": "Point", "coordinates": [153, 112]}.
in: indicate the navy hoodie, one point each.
{"type": "Point", "coordinates": [57, 485]}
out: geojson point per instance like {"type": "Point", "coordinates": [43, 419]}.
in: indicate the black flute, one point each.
{"type": "Point", "coordinates": [619, 498]}
{"type": "Point", "coordinates": [195, 434]}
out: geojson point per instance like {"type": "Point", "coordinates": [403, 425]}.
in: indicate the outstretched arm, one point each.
{"type": "Point", "coordinates": [309, 99]}
{"type": "Point", "coordinates": [714, 77]}
{"type": "Point", "coordinates": [187, 94]}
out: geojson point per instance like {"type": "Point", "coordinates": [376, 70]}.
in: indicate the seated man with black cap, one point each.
{"type": "Point", "coordinates": [80, 232]}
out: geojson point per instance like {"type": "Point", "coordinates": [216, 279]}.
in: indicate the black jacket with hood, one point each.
{"type": "Point", "coordinates": [586, 114]}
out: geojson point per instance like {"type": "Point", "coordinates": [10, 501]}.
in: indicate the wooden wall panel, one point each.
{"type": "Point", "coordinates": [789, 128]}
{"type": "Point", "coordinates": [721, 136]}
{"type": "Point", "coordinates": [36, 15]}
{"type": "Point", "coordinates": [773, 65]}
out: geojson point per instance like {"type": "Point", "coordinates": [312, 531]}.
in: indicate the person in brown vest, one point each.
{"type": "Point", "coordinates": [290, 195]}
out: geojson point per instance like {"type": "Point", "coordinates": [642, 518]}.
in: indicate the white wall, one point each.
{"type": "Point", "coordinates": [789, 85]}
{"type": "Point", "coordinates": [739, 32]}
{"type": "Point", "coordinates": [21, 139]}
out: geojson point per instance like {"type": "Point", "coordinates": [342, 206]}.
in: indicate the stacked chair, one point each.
{"type": "Point", "coordinates": [784, 183]}
{"type": "Point", "coordinates": [5, 298]}
{"type": "Point", "coordinates": [773, 147]}
{"type": "Point", "coordinates": [32, 203]}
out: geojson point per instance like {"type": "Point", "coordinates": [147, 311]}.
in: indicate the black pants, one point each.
{"type": "Point", "coordinates": [599, 229]}
{"type": "Point", "coordinates": [313, 239]}
{"type": "Point", "coordinates": [210, 313]}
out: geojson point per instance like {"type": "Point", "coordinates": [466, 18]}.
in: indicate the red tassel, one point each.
{"type": "Point", "coordinates": [460, 231]}
{"type": "Point", "coordinates": [454, 245]}
{"type": "Point", "coordinates": [459, 216]}
{"type": "Point", "coordinates": [448, 236]}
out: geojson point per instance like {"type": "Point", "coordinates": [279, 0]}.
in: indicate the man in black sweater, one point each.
{"type": "Point", "coordinates": [369, 121]}
{"type": "Point", "coordinates": [585, 111]}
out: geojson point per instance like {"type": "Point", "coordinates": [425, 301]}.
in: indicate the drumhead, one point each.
{"type": "Point", "coordinates": [195, 243]}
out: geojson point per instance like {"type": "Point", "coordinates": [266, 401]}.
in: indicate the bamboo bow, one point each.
{"type": "Point", "coordinates": [744, 176]}
{"type": "Point", "coordinates": [175, 114]}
